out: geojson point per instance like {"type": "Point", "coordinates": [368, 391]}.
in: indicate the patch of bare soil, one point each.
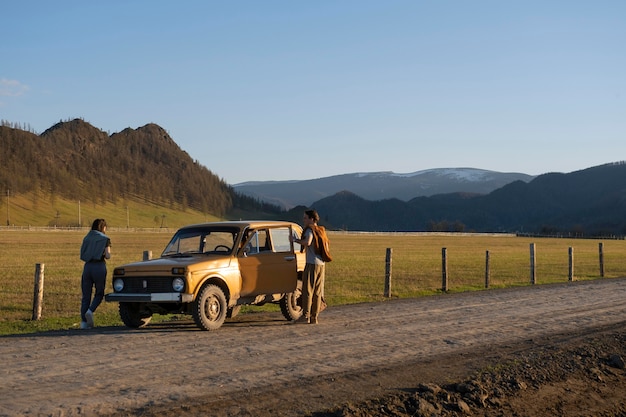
{"type": "Point", "coordinates": [578, 377]}
{"type": "Point", "coordinates": [579, 374]}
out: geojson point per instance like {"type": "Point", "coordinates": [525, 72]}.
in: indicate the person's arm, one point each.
{"type": "Point", "coordinates": [306, 240]}
{"type": "Point", "coordinates": [107, 251]}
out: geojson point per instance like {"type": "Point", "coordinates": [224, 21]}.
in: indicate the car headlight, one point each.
{"type": "Point", "coordinates": [118, 285]}
{"type": "Point", "coordinates": [178, 284]}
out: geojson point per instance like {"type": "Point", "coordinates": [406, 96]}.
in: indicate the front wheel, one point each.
{"type": "Point", "coordinates": [134, 315]}
{"type": "Point", "coordinates": [291, 303]}
{"type": "Point", "coordinates": [210, 307]}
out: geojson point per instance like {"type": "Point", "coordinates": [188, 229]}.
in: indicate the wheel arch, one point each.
{"type": "Point", "coordinates": [217, 281]}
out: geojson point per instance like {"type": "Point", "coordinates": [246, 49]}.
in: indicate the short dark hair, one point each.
{"type": "Point", "coordinates": [312, 214]}
{"type": "Point", "coordinates": [99, 225]}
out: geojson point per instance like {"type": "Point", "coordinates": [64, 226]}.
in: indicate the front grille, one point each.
{"type": "Point", "coordinates": [147, 285]}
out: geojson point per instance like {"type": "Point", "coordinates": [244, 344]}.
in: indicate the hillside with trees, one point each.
{"type": "Point", "coordinates": [76, 161]}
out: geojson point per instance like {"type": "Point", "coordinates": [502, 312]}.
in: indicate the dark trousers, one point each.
{"type": "Point", "coordinates": [94, 275]}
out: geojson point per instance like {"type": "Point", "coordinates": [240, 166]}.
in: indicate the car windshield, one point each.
{"type": "Point", "coordinates": [201, 241]}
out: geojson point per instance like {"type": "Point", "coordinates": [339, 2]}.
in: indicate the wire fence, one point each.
{"type": "Point", "coordinates": [472, 262]}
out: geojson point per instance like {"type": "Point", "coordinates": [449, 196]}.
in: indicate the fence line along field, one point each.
{"type": "Point", "coordinates": [356, 274]}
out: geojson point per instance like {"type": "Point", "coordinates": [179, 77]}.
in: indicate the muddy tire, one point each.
{"type": "Point", "coordinates": [210, 308]}
{"type": "Point", "coordinates": [134, 315]}
{"type": "Point", "coordinates": [291, 304]}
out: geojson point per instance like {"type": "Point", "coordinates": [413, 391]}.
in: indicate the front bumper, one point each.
{"type": "Point", "coordinates": [162, 297]}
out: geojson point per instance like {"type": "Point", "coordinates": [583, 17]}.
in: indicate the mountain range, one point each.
{"type": "Point", "coordinates": [582, 203]}
{"type": "Point", "coordinates": [380, 185]}
{"type": "Point", "coordinates": [589, 202]}
{"type": "Point", "coordinates": [80, 162]}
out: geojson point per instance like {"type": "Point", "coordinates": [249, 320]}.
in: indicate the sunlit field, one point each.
{"type": "Point", "coordinates": [59, 251]}
{"type": "Point", "coordinates": [356, 274]}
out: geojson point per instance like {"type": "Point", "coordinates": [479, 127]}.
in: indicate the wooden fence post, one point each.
{"type": "Point", "coordinates": [147, 255]}
{"type": "Point", "coordinates": [388, 262]}
{"type": "Point", "coordinates": [487, 271]}
{"type": "Point", "coordinates": [601, 253]}
{"type": "Point", "coordinates": [38, 292]}
{"type": "Point", "coordinates": [571, 264]}
{"type": "Point", "coordinates": [444, 269]}
{"type": "Point", "coordinates": [533, 266]}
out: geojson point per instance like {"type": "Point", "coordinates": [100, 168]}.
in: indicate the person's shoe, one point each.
{"type": "Point", "coordinates": [89, 317]}
{"type": "Point", "coordinates": [314, 320]}
{"type": "Point", "coordinates": [302, 320]}
{"type": "Point", "coordinates": [84, 325]}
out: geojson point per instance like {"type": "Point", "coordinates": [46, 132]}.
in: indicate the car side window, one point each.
{"type": "Point", "coordinates": [266, 240]}
{"type": "Point", "coordinates": [280, 239]}
{"type": "Point", "coordinates": [252, 246]}
{"type": "Point", "coordinates": [258, 242]}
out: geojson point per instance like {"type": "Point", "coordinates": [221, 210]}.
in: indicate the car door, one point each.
{"type": "Point", "coordinates": [267, 262]}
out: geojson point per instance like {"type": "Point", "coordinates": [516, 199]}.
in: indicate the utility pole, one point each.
{"type": "Point", "coordinates": [8, 218]}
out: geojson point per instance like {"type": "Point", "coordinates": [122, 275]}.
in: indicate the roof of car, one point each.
{"type": "Point", "coordinates": [243, 223]}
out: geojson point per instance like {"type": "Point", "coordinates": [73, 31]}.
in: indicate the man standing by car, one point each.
{"type": "Point", "coordinates": [314, 270]}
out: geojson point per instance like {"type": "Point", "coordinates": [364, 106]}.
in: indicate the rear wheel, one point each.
{"type": "Point", "coordinates": [210, 307]}
{"type": "Point", "coordinates": [134, 315]}
{"type": "Point", "coordinates": [290, 304]}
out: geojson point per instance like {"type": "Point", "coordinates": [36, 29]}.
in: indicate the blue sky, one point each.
{"type": "Point", "coordinates": [282, 90]}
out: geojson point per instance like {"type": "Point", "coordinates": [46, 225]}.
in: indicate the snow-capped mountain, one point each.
{"type": "Point", "coordinates": [380, 185]}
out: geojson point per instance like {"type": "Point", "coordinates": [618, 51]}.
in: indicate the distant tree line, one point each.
{"type": "Point", "coordinates": [14, 125]}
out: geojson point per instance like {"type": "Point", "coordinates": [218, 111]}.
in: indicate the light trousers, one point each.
{"type": "Point", "coordinates": [312, 289]}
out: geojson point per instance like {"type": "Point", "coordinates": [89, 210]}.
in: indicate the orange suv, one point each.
{"type": "Point", "coordinates": [210, 270]}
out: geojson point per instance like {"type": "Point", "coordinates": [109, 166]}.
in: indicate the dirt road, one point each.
{"type": "Point", "coordinates": [260, 365]}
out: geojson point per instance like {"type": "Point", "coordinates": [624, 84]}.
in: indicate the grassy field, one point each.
{"type": "Point", "coordinates": [43, 210]}
{"type": "Point", "coordinates": [357, 273]}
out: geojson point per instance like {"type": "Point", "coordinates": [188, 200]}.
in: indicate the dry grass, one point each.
{"type": "Point", "coordinates": [357, 273]}
{"type": "Point", "coordinates": [58, 251]}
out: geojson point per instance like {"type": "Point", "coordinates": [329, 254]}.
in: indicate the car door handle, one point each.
{"type": "Point", "coordinates": [290, 258]}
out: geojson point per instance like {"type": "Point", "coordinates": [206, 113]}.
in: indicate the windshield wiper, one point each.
{"type": "Point", "coordinates": [178, 255]}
